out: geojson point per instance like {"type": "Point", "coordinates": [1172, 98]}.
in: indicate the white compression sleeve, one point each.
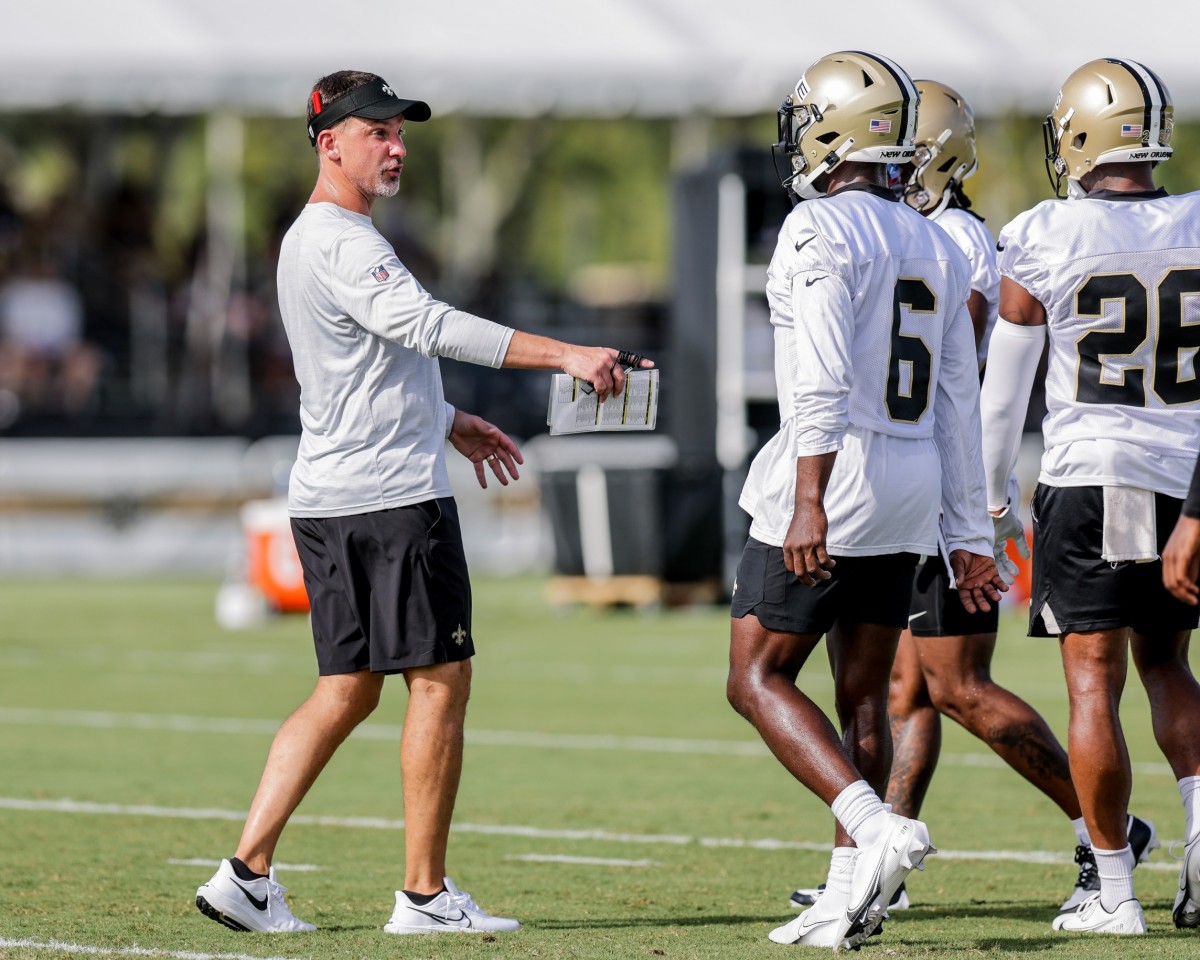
{"type": "Point", "coordinates": [1012, 362]}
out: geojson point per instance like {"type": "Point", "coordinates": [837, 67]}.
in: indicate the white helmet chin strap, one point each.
{"type": "Point", "coordinates": [803, 186]}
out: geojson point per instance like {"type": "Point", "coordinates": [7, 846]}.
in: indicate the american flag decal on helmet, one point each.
{"type": "Point", "coordinates": [1131, 130]}
{"type": "Point", "coordinates": [380, 273]}
{"type": "Point", "coordinates": [879, 126]}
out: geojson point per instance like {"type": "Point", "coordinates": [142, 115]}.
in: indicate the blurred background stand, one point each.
{"type": "Point", "coordinates": [631, 526]}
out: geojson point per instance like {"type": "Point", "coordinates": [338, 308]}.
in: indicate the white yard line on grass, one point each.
{"type": "Point", "coordinates": [511, 830]}
{"type": "Point", "coordinates": [60, 947]}
{"type": "Point", "coordinates": [582, 861]}
{"type": "Point", "coordinates": [181, 723]}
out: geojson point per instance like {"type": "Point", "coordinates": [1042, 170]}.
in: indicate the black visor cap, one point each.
{"type": "Point", "coordinates": [375, 101]}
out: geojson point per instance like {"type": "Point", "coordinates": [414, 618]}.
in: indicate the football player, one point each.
{"type": "Point", "coordinates": [1110, 279]}
{"type": "Point", "coordinates": [943, 662]}
{"type": "Point", "coordinates": [878, 394]}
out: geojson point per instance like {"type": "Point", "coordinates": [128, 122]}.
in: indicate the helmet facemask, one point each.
{"type": "Point", "coordinates": [795, 120]}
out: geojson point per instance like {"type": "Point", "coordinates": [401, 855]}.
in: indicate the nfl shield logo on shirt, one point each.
{"type": "Point", "coordinates": [380, 273]}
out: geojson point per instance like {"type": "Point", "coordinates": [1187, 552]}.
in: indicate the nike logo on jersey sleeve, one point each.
{"type": "Point", "coordinates": [804, 243]}
{"type": "Point", "coordinates": [811, 280]}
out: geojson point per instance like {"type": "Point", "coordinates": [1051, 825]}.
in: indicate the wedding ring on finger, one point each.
{"type": "Point", "coordinates": [491, 457]}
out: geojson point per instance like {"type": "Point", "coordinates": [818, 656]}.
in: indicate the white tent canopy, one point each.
{"type": "Point", "coordinates": [527, 57]}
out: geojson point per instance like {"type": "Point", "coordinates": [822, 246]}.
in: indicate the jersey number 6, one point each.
{"type": "Point", "coordinates": [911, 362]}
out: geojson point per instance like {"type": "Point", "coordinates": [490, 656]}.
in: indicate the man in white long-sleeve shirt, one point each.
{"type": "Point", "coordinates": [877, 379]}
{"type": "Point", "coordinates": [372, 512]}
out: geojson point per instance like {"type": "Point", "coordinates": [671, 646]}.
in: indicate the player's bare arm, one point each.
{"type": "Point", "coordinates": [602, 367]}
{"type": "Point", "coordinates": [977, 306]}
{"type": "Point", "coordinates": [484, 443]}
{"type": "Point", "coordinates": [977, 580]}
{"type": "Point", "coordinates": [1019, 306]}
{"type": "Point", "coordinates": [804, 550]}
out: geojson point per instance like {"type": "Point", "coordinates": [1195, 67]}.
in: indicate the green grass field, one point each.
{"type": "Point", "coordinates": [611, 799]}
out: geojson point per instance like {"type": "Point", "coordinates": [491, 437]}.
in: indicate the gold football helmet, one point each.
{"type": "Point", "coordinates": [1108, 111]}
{"type": "Point", "coordinates": [847, 106]}
{"type": "Point", "coordinates": [945, 154]}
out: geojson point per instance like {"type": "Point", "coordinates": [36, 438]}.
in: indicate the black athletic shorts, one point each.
{"type": "Point", "coordinates": [1075, 590]}
{"type": "Point", "coordinates": [937, 611]}
{"type": "Point", "coordinates": [388, 590]}
{"type": "Point", "coordinates": [861, 590]}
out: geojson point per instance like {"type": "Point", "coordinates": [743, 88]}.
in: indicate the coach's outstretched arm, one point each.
{"type": "Point", "coordinates": [599, 366]}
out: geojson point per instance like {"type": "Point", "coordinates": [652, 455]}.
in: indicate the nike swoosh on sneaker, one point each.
{"type": "Point", "coordinates": [258, 904]}
{"type": "Point", "coordinates": [462, 915]}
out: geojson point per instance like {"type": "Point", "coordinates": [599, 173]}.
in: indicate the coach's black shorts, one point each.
{"type": "Point", "coordinates": [388, 590]}
{"type": "Point", "coordinates": [1075, 590]}
{"type": "Point", "coordinates": [861, 590]}
{"type": "Point", "coordinates": [936, 609]}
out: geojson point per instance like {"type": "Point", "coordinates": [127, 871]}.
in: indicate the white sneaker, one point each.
{"type": "Point", "coordinates": [806, 896]}
{"type": "Point", "coordinates": [255, 905]}
{"type": "Point", "coordinates": [1186, 912]}
{"type": "Point", "coordinates": [451, 911]}
{"type": "Point", "coordinates": [1091, 917]}
{"type": "Point", "coordinates": [879, 871]}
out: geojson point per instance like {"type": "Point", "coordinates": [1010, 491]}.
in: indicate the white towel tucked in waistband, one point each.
{"type": "Point", "coordinates": [1129, 525]}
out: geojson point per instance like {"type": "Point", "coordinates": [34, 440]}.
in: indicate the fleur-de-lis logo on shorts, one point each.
{"type": "Point", "coordinates": [459, 635]}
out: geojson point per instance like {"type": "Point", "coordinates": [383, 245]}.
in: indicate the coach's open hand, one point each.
{"type": "Point", "coordinates": [978, 581]}
{"type": "Point", "coordinates": [481, 442]}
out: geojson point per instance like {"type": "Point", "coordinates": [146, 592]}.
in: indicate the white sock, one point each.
{"type": "Point", "coordinates": [1081, 831]}
{"type": "Point", "coordinates": [841, 861]}
{"type": "Point", "coordinates": [859, 809]}
{"type": "Point", "coordinates": [1189, 789]}
{"type": "Point", "coordinates": [1115, 868]}
{"type": "Point", "coordinates": [837, 883]}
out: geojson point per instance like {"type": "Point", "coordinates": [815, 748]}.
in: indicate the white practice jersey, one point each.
{"type": "Point", "coordinates": [1119, 278]}
{"type": "Point", "coordinates": [975, 240]}
{"type": "Point", "coordinates": [874, 358]}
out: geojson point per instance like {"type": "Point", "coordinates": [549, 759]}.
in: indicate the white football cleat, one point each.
{"type": "Point", "coordinates": [820, 925]}
{"type": "Point", "coordinates": [1091, 917]}
{"type": "Point", "coordinates": [813, 928]}
{"type": "Point", "coordinates": [879, 871]}
{"type": "Point", "coordinates": [1186, 912]}
{"type": "Point", "coordinates": [254, 905]}
{"type": "Point", "coordinates": [451, 911]}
